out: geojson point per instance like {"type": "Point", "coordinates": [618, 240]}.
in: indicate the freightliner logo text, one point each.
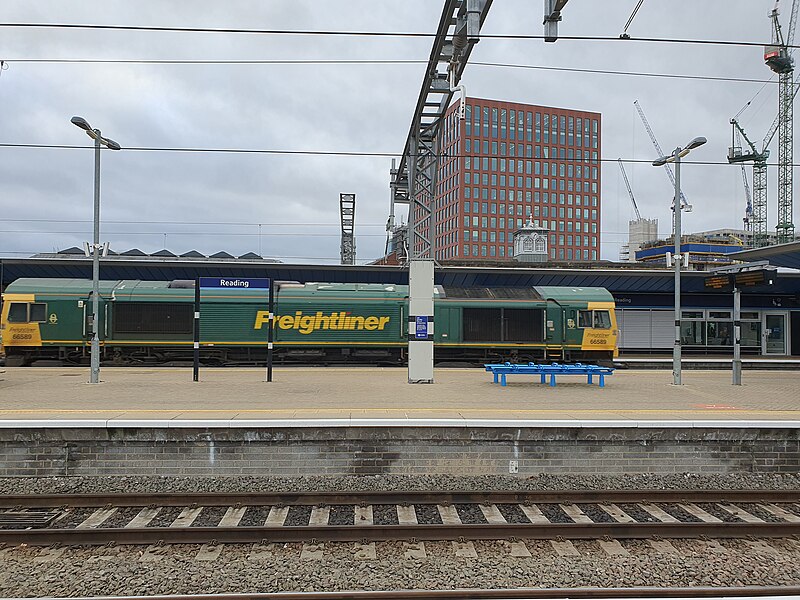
{"type": "Point", "coordinates": [336, 321]}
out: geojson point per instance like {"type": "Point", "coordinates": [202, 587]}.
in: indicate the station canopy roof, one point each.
{"type": "Point", "coordinates": [780, 255]}
{"type": "Point", "coordinates": [615, 278]}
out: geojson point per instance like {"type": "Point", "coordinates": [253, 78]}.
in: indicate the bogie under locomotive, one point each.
{"type": "Point", "coordinates": [151, 322]}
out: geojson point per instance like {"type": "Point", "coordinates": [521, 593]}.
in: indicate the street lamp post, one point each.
{"type": "Point", "coordinates": [99, 140]}
{"type": "Point", "coordinates": [677, 208]}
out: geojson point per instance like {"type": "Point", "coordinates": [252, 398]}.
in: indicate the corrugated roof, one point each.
{"type": "Point", "coordinates": [781, 255]}
{"type": "Point", "coordinates": [618, 281]}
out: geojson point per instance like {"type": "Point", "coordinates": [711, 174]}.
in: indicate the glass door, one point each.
{"type": "Point", "coordinates": [773, 337]}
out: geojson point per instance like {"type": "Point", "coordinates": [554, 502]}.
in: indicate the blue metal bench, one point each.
{"type": "Point", "coordinates": [555, 369]}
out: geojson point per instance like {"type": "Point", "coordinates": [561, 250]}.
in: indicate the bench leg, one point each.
{"type": "Point", "coordinates": [503, 380]}
{"type": "Point", "coordinates": [495, 377]}
{"type": "Point", "coordinates": [589, 375]}
{"type": "Point", "coordinates": [543, 379]}
{"type": "Point", "coordinates": [553, 380]}
{"type": "Point", "coordinates": [602, 380]}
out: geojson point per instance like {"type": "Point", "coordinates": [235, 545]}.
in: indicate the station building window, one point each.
{"type": "Point", "coordinates": [719, 328]}
{"type": "Point", "coordinates": [751, 329]}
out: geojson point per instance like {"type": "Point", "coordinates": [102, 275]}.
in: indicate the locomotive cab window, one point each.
{"type": "Point", "coordinates": [602, 320]}
{"type": "Point", "coordinates": [18, 312]}
{"type": "Point", "coordinates": [38, 312]}
{"type": "Point", "coordinates": [594, 319]}
{"type": "Point", "coordinates": [25, 312]}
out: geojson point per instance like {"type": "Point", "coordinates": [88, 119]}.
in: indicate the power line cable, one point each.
{"type": "Point", "coordinates": [356, 154]}
{"type": "Point", "coordinates": [378, 34]}
{"type": "Point", "coordinates": [345, 62]}
{"type": "Point", "coordinates": [630, 20]}
{"type": "Point", "coordinates": [221, 223]}
{"type": "Point", "coordinates": [173, 233]}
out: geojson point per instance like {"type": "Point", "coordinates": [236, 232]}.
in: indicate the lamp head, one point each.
{"type": "Point", "coordinates": [111, 144]}
{"type": "Point", "coordinates": [81, 122]}
{"type": "Point", "coordinates": [660, 162]}
{"type": "Point", "coordinates": [696, 142]}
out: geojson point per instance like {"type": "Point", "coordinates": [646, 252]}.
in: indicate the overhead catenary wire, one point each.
{"type": "Point", "coordinates": [632, 17]}
{"type": "Point", "coordinates": [376, 34]}
{"type": "Point", "coordinates": [230, 223]}
{"type": "Point", "coordinates": [354, 62]}
{"type": "Point", "coordinates": [347, 153]}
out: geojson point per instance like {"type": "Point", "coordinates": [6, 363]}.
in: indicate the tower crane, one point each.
{"type": "Point", "coordinates": [779, 59]}
{"type": "Point", "coordinates": [630, 191]}
{"type": "Point", "coordinates": [757, 207]}
{"type": "Point", "coordinates": [748, 211]}
{"type": "Point", "coordinates": [684, 205]}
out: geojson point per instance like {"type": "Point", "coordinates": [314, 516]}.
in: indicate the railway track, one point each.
{"type": "Point", "coordinates": [390, 516]}
{"type": "Point", "coordinates": [496, 594]}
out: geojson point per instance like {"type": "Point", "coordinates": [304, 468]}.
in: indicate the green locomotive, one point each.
{"type": "Point", "coordinates": [151, 322]}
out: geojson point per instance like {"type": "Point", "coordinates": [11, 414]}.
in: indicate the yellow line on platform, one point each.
{"type": "Point", "coordinates": [347, 411]}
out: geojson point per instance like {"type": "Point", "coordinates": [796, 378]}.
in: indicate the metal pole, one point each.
{"type": "Point", "coordinates": [270, 329]}
{"type": "Point", "coordinates": [95, 347]}
{"type": "Point", "coordinates": [196, 337]}
{"type": "Point", "coordinates": [737, 329]}
{"type": "Point", "coordinates": [676, 351]}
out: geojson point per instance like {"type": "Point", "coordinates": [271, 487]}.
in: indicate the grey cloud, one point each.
{"type": "Point", "coordinates": [361, 108]}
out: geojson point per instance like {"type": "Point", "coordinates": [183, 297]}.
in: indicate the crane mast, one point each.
{"type": "Point", "coordinates": [748, 211]}
{"type": "Point", "coordinates": [738, 155]}
{"type": "Point", "coordinates": [778, 58]}
{"type": "Point", "coordinates": [630, 191]}
{"type": "Point", "coordinates": [685, 205]}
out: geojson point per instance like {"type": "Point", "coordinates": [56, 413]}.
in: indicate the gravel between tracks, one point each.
{"type": "Point", "coordinates": [111, 571]}
{"type": "Point", "coordinates": [145, 485]}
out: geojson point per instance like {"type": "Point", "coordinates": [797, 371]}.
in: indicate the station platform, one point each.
{"type": "Point", "coordinates": [134, 397]}
{"type": "Point", "coordinates": [369, 421]}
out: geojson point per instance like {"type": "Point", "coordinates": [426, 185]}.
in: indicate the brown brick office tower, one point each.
{"type": "Point", "coordinates": [505, 161]}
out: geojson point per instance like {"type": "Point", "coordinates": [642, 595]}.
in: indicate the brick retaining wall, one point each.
{"type": "Point", "coordinates": [395, 450]}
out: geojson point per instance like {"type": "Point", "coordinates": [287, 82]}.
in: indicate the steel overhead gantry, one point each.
{"type": "Point", "coordinates": [347, 216]}
{"type": "Point", "coordinates": [413, 181]}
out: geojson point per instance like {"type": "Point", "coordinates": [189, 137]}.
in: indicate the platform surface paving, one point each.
{"type": "Point", "coordinates": [240, 397]}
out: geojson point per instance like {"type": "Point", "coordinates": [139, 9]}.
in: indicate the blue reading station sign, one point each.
{"type": "Point", "coordinates": [421, 328]}
{"type": "Point", "coordinates": [234, 282]}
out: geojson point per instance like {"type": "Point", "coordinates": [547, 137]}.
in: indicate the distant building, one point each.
{"type": "Point", "coordinates": [530, 243]}
{"type": "Point", "coordinates": [162, 255]}
{"type": "Point", "coordinates": [706, 249]}
{"type": "Point", "coordinates": [745, 237]}
{"type": "Point", "coordinates": [505, 162]}
{"type": "Point", "coordinates": [640, 231]}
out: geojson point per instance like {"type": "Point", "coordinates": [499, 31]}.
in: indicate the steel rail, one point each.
{"type": "Point", "coordinates": [495, 594]}
{"type": "Point", "coordinates": [394, 497]}
{"type": "Point", "coordinates": [385, 533]}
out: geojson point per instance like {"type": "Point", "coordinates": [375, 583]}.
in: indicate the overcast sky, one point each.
{"type": "Point", "coordinates": [213, 202]}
